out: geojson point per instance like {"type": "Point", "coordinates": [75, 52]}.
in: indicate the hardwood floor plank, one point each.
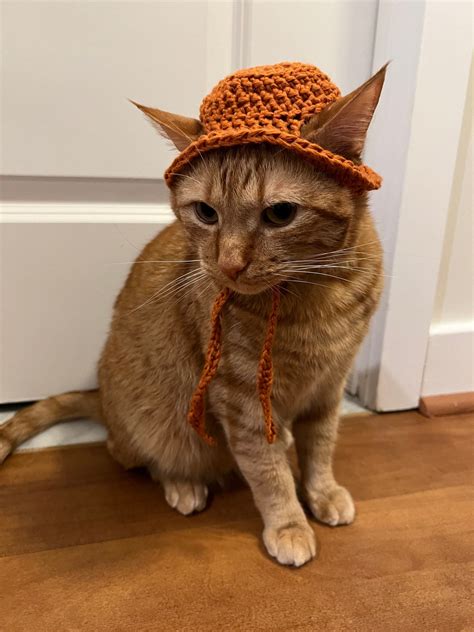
{"type": "Point", "coordinates": [88, 546]}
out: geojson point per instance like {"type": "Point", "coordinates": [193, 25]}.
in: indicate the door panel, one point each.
{"type": "Point", "coordinates": [69, 67]}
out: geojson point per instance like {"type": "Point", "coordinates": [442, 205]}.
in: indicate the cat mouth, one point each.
{"type": "Point", "coordinates": [247, 287]}
{"type": "Point", "coordinates": [243, 284]}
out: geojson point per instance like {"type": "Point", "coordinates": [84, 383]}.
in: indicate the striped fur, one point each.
{"type": "Point", "coordinates": [155, 350]}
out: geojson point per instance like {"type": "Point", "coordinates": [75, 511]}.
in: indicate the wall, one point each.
{"type": "Point", "coordinates": [82, 168]}
{"type": "Point", "coordinates": [69, 67]}
{"type": "Point", "coordinates": [450, 359]}
{"type": "Point", "coordinates": [59, 283]}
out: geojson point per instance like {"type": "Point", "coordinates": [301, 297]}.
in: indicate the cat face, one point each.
{"type": "Point", "coordinates": [252, 211]}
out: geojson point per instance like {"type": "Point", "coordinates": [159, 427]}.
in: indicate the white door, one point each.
{"type": "Point", "coordinates": [82, 188]}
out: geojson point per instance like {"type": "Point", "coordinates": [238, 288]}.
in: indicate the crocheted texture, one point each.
{"type": "Point", "coordinates": [196, 415]}
{"type": "Point", "coordinates": [265, 370]}
{"type": "Point", "coordinates": [269, 104]}
{"type": "Point", "coordinates": [282, 96]}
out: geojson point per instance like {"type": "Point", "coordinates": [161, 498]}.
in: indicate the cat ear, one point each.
{"type": "Point", "coordinates": [342, 126]}
{"type": "Point", "coordinates": [180, 130]}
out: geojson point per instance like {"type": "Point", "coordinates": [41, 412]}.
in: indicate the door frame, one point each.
{"type": "Point", "coordinates": [413, 143]}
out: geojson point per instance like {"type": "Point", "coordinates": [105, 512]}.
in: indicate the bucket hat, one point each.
{"type": "Point", "coordinates": [270, 104]}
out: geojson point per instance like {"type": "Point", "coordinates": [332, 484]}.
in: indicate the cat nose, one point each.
{"type": "Point", "coordinates": [231, 266]}
{"type": "Point", "coordinates": [232, 269]}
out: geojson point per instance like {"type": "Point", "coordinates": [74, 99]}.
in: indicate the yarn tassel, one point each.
{"type": "Point", "coordinates": [265, 370]}
{"type": "Point", "coordinates": [196, 416]}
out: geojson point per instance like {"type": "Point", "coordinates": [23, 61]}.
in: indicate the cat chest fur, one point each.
{"type": "Point", "coordinates": [308, 354]}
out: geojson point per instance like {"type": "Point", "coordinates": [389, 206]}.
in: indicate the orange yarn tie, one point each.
{"type": "Point", "coordinates": [265, 370]}
{"type": "Point", "coordinates": [196, 415]}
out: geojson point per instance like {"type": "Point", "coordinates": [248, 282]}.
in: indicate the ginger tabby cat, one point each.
{"type": "Point", "coordinates": [249, 217]}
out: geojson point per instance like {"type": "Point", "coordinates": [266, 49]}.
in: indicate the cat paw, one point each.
{"type": "Point", "coordinates": [293, 545]}
{"type": "Point", "coordinates": [334, 507]}
{"type": "Point", "coordinates": [185, 497]}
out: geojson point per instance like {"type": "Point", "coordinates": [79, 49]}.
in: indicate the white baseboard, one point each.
{"type": "Point", "coordinates": [449, 364]}
{"type": "Point", "coordinates": [84, 431]}
{"type": "Point", "coordinates": [44, 213]}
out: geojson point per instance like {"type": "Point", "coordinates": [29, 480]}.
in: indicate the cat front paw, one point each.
{"type": "Point", "coordinates": [333, 507]}
{"type": "Point", "coordinates": [293, 545]}
{"type": "Point", "coordinates": [185, 497]}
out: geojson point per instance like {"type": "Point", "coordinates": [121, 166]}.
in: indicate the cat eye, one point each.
{"type": "Point", "coordinates": [279, 214]}
{"type": "Point", "coordinates": [205, 213]}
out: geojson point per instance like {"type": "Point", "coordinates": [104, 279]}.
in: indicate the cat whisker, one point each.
{"type": "Point", "coordinates": [358, 269]}
{"type": "Point", "coordinates": [190, 286]}
{"type": "Point", "coordinates": [134, 246]}
{"type": "Point", "coordinates": [332, 276]}
{"type": "Point", "coordinates": [293, 280]}
{"type": "Point", "coordinates": [169, 261]}
{"type": "Point", "coordinates": [175, 291]}
{"type": "Point", "coordinates": [313, 265]}
{"type": "Point", "coordinates": [341, 267]}
{"type": "Point", "coordinates": [163, 261]}
{"type": "Point", "coordinates": [339, 251]}
{"type": "Point", "coordinates": [336, 258]}
{"type": "Point", "coordinates": [328, 262]}
{"type": "Point", "coordinates": [154, 297]}
{"type": "Point", "coordinates": [367, 243]}
{"type": "Point", "coordinates": [206, 288]}
{"type": "Point", "coordinates": [168, 287]}
{"type": "Point", "coordinates": [182, 284]}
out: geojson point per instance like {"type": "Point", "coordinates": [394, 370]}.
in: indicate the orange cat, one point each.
{"type": "Point", "coordinates": [268, 192]}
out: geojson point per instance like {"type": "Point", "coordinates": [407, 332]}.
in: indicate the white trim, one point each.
{"type": "Point", "coordinates": [238, 35]}
{"type": "Point", "coordinates": [455, 327]}
{"type": "Point", "coordinates": [220, 32]}
{"type": "Point", "coordinates": [449, 364]}
{"type": "Point", "coordinates": [414, 145]}
{"type": "Point", "coordinates": [425, 203]}
{"type": "Point", "coordinates": [398, 35]}
{"type": "Point", "coordinates": [86, 213]}
{"type": "Point", "coordinates": [242, 25]}
{"type": "Point", "coordinates": [85, 431]}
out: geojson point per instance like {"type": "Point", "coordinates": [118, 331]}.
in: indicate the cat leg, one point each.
{"type": "Point", "coordinates": [184, 496]}
{"type": "Point", "coordinates": [287, 535]}
{"type": "Point", "coordinates": [315, 436]}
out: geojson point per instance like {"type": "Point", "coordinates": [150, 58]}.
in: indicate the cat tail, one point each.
{"type": "Point", "coordinates": [32, 420]}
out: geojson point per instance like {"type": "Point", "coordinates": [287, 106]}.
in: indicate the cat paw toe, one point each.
{"type": "Point", "coordinates": [293, 545]}
{"type": "Point", "coordinates": [185, 497]}
{"type": "Point", "coordinates": [334, 507]}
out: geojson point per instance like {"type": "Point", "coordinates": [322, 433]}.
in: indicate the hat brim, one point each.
{"type": "Point", "coordinates": [357, 177]}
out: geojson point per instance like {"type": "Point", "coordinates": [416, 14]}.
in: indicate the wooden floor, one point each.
{"type": "Point", "coordinates": [88, 546]}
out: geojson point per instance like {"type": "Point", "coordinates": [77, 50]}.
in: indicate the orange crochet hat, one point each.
{"type": "Point", "coordinates": [269, 104]}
